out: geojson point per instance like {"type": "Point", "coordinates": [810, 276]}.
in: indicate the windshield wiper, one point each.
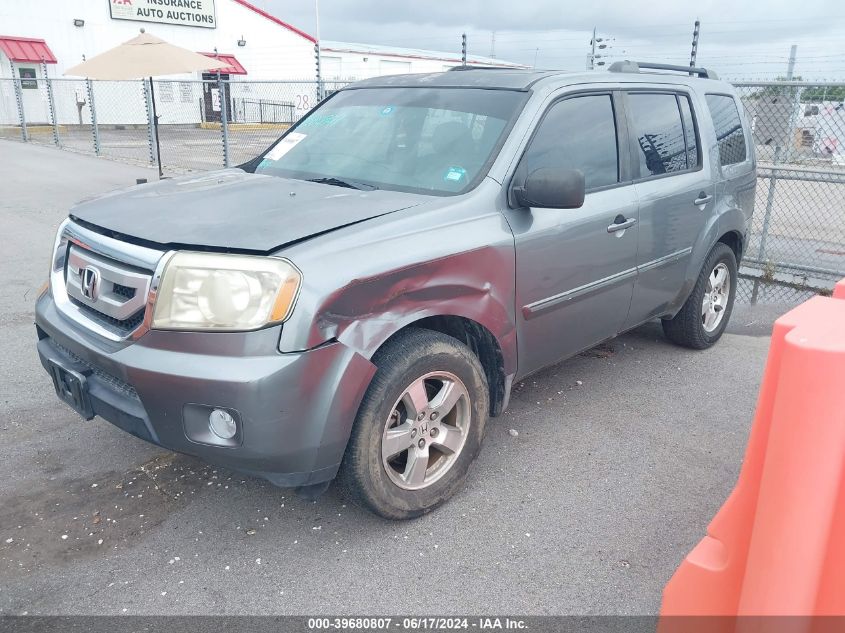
{"type": "Point", "coordinates": [339, 182]}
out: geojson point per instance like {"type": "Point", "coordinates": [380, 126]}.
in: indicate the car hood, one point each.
{"type": "Point", "coordinates": [232, 209]}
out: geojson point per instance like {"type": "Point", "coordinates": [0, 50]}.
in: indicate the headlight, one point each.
{"type": "Point", "coordinates": [209, 291]}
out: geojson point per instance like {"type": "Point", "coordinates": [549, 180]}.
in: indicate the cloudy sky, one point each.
{"type": "Point", "coordinates": [741, 39]}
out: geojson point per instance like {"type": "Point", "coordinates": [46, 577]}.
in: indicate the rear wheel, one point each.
{"type": "Point", "coordinates": [419, 427]}
{"type": "Point", "coordinates": [704, 316]}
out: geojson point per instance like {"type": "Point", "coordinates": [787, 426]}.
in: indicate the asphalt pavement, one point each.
{"type": "Point", "coordinates": [622, 455]}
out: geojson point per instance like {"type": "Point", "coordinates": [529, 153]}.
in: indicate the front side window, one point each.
{"type": "Point", "coordinates": [729, 134]}
{"type": "Point", "coordinates": [659, 133]}
{"type": "Point", "coordinates": [577, 133]}
{"type": "Point", "coordinates": [426, 140]}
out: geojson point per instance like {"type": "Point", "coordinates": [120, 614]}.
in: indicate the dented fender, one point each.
{"type": "Point", "coordinates": [445, 259]}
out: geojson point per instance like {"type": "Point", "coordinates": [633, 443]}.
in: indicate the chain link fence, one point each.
{"type": "Point", "coordinates": [204, 124]}
{"type": "Point", "coordinates": [796, 247]}
{"type": "Point", "coordinates": [797, 242]}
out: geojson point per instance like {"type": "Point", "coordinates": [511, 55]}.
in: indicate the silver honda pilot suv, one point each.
{"type": "Point", "coordinates": [358, 300]}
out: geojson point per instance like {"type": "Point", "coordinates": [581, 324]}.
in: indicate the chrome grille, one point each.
{"type": "Point", "coordinates": [103, 284]}
{"type": "Point", "coordinates": [125, 326]}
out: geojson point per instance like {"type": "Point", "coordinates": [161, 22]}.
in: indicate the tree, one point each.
{"type": "Point", "coordinates": [772, 91]}
{"type": "Point", "coordinates": [817, 94]}
{"type": "Point", "coordinates": [812, 94]}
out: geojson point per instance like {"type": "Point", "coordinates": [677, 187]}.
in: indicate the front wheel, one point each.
{"type": "Point", "coordinates": [419, 427]}
{"type": "Point", "coordinates": [703, 318]}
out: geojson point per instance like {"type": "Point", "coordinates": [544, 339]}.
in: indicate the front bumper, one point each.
{"type": "Point", "coordinates": [296, 410]}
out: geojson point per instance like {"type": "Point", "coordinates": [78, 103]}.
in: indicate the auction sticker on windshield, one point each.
{"type": "Point", "coordinates": [285, 145]}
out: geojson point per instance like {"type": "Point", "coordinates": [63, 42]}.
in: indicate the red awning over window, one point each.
{"type": "Point", "coordinates": [234, 66]}
{"type": "Point", "coordinates": [26, 49]}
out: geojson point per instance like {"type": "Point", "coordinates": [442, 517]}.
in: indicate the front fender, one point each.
{"type": "Point", "coordinates": [365, 283]}
{"type": "Point", "coordinates": [475, 285]}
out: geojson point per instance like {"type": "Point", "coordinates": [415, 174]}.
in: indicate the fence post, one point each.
{"type": "Point", "coordinates": [51, 102]}
{"type": "Point", "coordinates": [21, 114]}
{"type": "Point", "coordinates": [224, 119]}
{"type": "Point", "coordinates": [94, 129]}
{"type": "Point", "coordinates": [770, 203]}
{"type": "Point", "coordinates": [150, 130]}
{"type": "Point", "coordinates": [319, 75]}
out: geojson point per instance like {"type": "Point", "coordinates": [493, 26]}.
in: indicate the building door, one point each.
{"type": "Point", "coordinates": [212, 99]}
{"type": "Point", "coordinates": [34, 92]}
{"type": "Point", "coordinates": [393, 67]}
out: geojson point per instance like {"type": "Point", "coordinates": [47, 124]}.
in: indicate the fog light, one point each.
{"type": "Point", "coordinates": [222, 424]}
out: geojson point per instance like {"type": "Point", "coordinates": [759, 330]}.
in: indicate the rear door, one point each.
{"type": "Point", "coordinates": [736, 156]}
{"type": "Point", "coordinates": [676, 196]}
{"type": "Point", "coordinates": [575, 268]}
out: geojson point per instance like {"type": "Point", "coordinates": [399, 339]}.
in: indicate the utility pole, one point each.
{"type": "Point", "coordinates": [790, 67]}
{"type": "Point", "coordinates": [795, 106]}
{"type": "Point", "coordinates": [785, 139]}
{"type": "Point", "coordinates": [463, 49]}
{"type": "Point", "coordinates": [694, 52]}
{"type": "Point", "coordinates": [493, 44]}
{"type": "Point", "coordinates": [599, 44]}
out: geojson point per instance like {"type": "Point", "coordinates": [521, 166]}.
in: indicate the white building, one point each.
{"type": "Point", "coordinates": [272, 64]}
{"type": "Point", "coordinates": [347, 61]}
{"type": "Point", "coordinates": [38, 38]}
{"type": "Point", "coordinates": [265, 46]}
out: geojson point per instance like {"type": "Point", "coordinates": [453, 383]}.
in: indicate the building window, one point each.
{"type": "Point", "coordinates": [165, 91]}
{"type": "Point", "coordinates": [28, 80]}
{"type": "Point", "coordinates": [186, 92]}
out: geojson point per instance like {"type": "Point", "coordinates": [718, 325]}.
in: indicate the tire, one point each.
{"type": "Point", "coordinates": [689, 327]}
{"type": "Point", "coordinates": [392, 487]}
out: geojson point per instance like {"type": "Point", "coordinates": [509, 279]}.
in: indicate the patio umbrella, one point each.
{"type": "Point", "coordinates": [142, 57]}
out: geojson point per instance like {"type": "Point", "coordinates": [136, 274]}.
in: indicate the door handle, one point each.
{"type": "Point", "coordinates": [620, 224]}
{"type": "Point", "coordinates": [702, 199]}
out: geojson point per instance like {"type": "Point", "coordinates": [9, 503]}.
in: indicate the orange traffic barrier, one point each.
{"type": "Point", "coordinates": [777, 545]}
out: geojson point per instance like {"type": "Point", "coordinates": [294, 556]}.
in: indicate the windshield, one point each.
{"type": "Point", "coordinates": [426, 140]}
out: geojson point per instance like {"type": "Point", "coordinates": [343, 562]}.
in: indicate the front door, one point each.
{"type": "Point", "coordinates": [36, 106]}
{"type": "Point", "coordinates": [212, 99]}
{"type": "Point", "coordinates": [575, 268]}
{"type": "Point", "coordinates": [676, 194]}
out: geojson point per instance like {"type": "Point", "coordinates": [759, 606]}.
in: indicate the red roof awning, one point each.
{"type": "Point", "coordinates": [26, 49]}
{"type": "Point", "coordinates": [234, 66]}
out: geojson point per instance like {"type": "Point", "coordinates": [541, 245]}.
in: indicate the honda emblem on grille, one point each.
{"type": "Point", "coordinates": [89, 282]}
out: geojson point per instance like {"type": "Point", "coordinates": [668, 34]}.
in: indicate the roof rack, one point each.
{"type": "Point", "coordinates": [468, 67]}
{"type": "Point", "coordinates": [628, 66]}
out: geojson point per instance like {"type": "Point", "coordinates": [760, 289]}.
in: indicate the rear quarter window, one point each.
{"type": "Point", "coordinates": [730, 136]}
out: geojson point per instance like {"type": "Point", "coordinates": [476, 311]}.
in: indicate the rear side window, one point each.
{"type": "Point", "coordinates": [659, 133]}
{"type": "Point", "coordinates": [729, 134]}
{"type": "Point", "coordinates": [577, 133]}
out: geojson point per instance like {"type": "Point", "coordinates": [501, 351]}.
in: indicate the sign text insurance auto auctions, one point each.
{"type": "Point", "coordinates": [184, 12]}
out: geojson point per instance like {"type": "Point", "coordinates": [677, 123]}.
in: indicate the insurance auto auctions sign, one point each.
{"type": "Point", "coordinates": [183, 12]}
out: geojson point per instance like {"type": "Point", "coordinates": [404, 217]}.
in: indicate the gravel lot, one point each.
{"type": "Point", "coordinates": [623, 455]}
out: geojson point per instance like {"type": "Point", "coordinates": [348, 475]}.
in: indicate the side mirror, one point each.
{"type": "Point", "coordinates": [548, 188]}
